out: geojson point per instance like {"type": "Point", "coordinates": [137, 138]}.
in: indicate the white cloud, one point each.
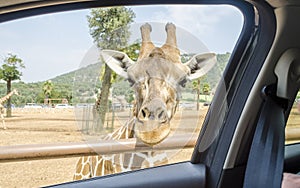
{"type": "Point", "coordinates": [212, 24]}
{"type": "Point", "coordinates": [199, 20]}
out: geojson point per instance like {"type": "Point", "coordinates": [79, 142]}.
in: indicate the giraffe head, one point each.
{"type": "Point", "coordinates": [157, 79]}
{"type": "Point", "coordinates": [14, 91]}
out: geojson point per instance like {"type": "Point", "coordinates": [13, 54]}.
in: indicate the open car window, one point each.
{"type": "Point", "coordinates": [80, 78]}
{"type": "Point", "coordinates": [292, 126]}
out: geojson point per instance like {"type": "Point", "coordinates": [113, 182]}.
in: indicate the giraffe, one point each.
{"type": "Point", "coordinates": [92, 166]}
{"type": "Point", "coordinates": [157, 78]}
{"type": "Point", "coordinates": [2, 100]}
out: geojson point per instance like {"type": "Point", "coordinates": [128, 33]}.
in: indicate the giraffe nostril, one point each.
{"type": "Point", "coordinates": [143, 113]}
{"type": "Point", "coordinates": [153, 112]}
{"type": "Point", "coordinates": [161, 115]}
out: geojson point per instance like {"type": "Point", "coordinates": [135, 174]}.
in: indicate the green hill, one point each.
{"type": "Point", "coordinates": [82, 85]}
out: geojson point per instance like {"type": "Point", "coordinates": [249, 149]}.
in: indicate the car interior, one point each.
{"type": "Point", "coordinates": [249, 135]}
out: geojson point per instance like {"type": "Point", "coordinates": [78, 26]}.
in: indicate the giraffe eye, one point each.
{"type": "Point", "coordinates": [182, 82]}
{"type": "Point", "coordinates": [131, 82]}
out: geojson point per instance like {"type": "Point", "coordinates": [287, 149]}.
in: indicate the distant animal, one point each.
{"type": "Point", "coordinates": [2, 100]}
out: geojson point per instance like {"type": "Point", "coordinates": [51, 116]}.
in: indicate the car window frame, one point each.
{"type": "Point", "coordinates": [252, 58]}
{"type": "Point", "coordinates": [237, 59]}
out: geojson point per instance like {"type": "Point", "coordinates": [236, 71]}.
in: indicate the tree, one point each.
{"type": "Point", "coordinates": [109, 28]}
{"type": "Point", "coordinates": [196, 87]}
{"type": "Point", "coordinates": [48, 89]}
{"type": "Point", "coordinates": [206, 89]}
{"type": "Point", "coordinates": [9, 71]}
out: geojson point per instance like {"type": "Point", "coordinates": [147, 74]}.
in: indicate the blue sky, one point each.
{"type": "Point", "coordinates": [54, 44]}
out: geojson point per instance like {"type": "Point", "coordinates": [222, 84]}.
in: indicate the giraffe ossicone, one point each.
{"type": "Point", "coordinates": [157, 79]}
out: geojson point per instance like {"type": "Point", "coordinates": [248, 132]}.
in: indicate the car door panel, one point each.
{"type": "Point", "coordinates": [176, 175]}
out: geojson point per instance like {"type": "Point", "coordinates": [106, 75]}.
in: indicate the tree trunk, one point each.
{"type": "Point", "coordinates": [101, 104]}
{"type": "Point", "coordinates": [8, 107]}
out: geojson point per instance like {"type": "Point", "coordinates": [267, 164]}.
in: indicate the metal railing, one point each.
{"type": "Point", "coordinates": [64, 150]}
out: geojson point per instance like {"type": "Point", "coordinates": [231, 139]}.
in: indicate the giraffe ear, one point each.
{"type": "Point", "coordinates": [200, 64]}
{"type": "Point", "coordinates": [117, 61]}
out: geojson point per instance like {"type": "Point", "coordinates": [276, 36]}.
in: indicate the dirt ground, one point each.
{"type": "Point", "coordinates": [60, 126]}
{"type": "Point", "coordinates": [40, 126]}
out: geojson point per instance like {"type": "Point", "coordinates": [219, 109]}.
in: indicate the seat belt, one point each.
{"type": "Point", "coordinates": [265, 162]}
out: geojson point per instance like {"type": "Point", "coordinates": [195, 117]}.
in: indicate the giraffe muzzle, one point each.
{"type": "Point", "coordinates": [154, 111]}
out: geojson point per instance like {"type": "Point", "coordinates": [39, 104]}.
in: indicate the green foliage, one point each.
{"type": "Point", "coordinates": [85, 82]}
{"type": "Point", "coordinates": [109, 27]}
{"type": "Point", "coordinates": [47, 88]}
{"type": "Point", "coordinates": [214, 75]}
{"type": "Point", "coordinates": [33, 92]}
{"type": "Point", "coordinates": [206, 88]}
{"type": "Point", "coordinates": [222, 60]}
{"type": "Point", "coordinates": [298, 95]}
{"type": "Point", "coordinates": [10, 69]}
{"type": "Point", "coordinates": [132, 50]}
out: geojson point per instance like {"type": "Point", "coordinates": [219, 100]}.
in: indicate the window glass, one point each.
{"type": "Point", "coordinates": [292, 130]}
{"type": "Point", "coordinates": [64, 92]}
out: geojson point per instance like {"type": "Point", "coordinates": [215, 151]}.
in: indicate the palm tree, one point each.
{"type": "Point", "coordinates": [47, 89]}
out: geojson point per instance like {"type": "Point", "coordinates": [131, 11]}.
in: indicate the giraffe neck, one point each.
{"type": "Point", "coordinates": [124, 132]}
{"type": "Point", "coordinates": [100, 165]}
{"type": "Point", "coordinates": [6, 97]}
{"type": "Point", "coordinates": [124, 162]}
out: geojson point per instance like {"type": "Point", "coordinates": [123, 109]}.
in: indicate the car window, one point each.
{"type": "Point", "coordinates": [76, 82]}
{"type": "Point", "coordinates": [292, 126]}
